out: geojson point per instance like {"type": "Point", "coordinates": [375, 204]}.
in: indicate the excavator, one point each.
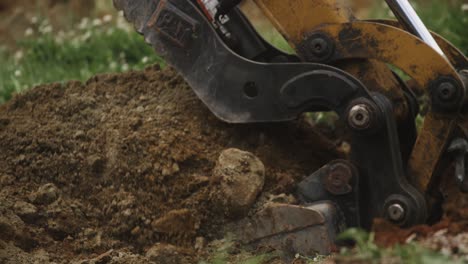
{"type": "Point", "coordinates": [376, 75]}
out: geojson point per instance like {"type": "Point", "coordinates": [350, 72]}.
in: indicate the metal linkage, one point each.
{"type": "Point", "coordinates": [240, 90]}
{"type": "Point", "coordinates": [338, 182]}
{"type": "Point", "coordinates": [459, 147]}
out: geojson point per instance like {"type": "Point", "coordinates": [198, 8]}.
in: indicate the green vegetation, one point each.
{"type": "Point", "coordinates": [110, 45]}
{"type": "Point", "coordinates": [368, 252]}
{"type": "Point", "coordinates": [447, 18]}
{"type": "Point", "coordinates": [226, 251]}
{"type": "Point", "coordinates": [93, 46]}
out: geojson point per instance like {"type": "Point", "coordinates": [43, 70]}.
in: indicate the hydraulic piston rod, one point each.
{"type": "Point", "coordinates": [412, 22]}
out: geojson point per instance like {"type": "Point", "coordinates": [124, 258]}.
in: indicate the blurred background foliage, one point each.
{"type": "Point", "coordinates": [47, 41]}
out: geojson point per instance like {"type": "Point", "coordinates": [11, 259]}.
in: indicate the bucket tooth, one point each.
{"type": "Point", "coordinates": [306, 230]}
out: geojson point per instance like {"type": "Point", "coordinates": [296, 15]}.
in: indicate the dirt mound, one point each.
{"type": "Point", "coordinates": [88, 168]}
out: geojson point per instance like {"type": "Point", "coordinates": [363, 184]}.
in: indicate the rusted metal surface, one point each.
{"type": "Point", "coordinates": [453, 54]}
{"type": "Point", "coordinates": [357, 48]}
{"type": "Point", "coordinates": [425, 65]}
{"type": "Point", "coordinates": [367, 40]}
{"type": "Point", "coordinates": [338, 180]}
{"type": "Point", "coordinates": [293, 229]}
{"type": "Point", "coordinates": [295, 20]}
{"type": "Point", "coordinates": [429, 148]}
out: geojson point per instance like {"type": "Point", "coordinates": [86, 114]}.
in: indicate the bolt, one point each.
{"type": "Point", "coordinates": [359, 117]}
{"type": "Point", "coordinates": [338, 179]}
{"type": "Point", "coordinates": [446, 91]}
{"type": "Point", "coordinates": [396, 212]}
{"type": "Point", "coordinates": [319, 46]}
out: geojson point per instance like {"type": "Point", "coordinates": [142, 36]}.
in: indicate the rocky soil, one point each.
{"type": "Point", "coordinates": [133, 168]}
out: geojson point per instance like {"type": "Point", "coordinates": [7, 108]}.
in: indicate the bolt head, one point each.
{"type": "Point", "coordinates": [319, 46]}
{"type": "Point", "coordinates": [446, 91]}
{"type": "Point", "coordinates": [359, 116]}
{"type": "Point", "coordinates": [447, 95]}
{"type": "Point", "coordinates": [396, 212]}
{"type": "Point", "coordinates": [338, 179]}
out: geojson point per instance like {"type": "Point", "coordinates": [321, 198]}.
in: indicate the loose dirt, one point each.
{"type": "Point", "coordinates": [114, 167]}
{"type": "Point", "coordinates": [120, 169]}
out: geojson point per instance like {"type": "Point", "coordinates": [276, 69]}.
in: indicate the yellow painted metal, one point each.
{"type": "Point", "coordinates": [359, 45]}
{"type": "Point", "coordinates": [429, 148]}
{"type": "Point", "coordinates": [295, 20]}
{"type": "Point", "coordinates": [453, 54]}
{"type": "Point", "coordinates": [367, 40]}
{"type": "Point", "coordinates": [410, 54]}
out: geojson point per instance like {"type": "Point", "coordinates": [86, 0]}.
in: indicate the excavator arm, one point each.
{"type": "Point", "coordinates": [340, 64]}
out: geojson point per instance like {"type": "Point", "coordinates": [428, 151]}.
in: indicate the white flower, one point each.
{"type": "Point", "coordinates": [86, 36]}
{"type": "Point", "coordinates": [97, 22]}
{"type": "Point", "coordinates": [28, 32]}
{"type": "Point", "coordinates": [83, 23]}
{"type": "Point", "coordinates": [17, 73]}
{"type": "Point", "coordinates": [107, 18]}
{"type": "Point", "coordinates": [125, 67]}
{"type": "Point", "coordinates": [34, 20]}
{"type": "Point", "coordinates": [19, 55]}
{"type": "Point", "coordinates": [464, 7]}
{"type": "Point", "coordinates": [113, 65]}
{"type": "Point", "coordinates": [47, 29]}
{"type": "Point", "coordinates": [145, 59]}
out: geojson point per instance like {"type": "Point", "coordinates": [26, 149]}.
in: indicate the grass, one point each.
{"type": "Point", "coordinates": [447, 18]}
{"type": "Point", "coordinates": [227, 251]}
{"type": "Point", "coordinates": [366, 251]}
{"type": "Point", "coordinates": [92, 47]}
{"type": "Point", "coordinates": [110, 45]}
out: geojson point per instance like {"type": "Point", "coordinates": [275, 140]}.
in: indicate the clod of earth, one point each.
{"type": "Point", "coordinates": [45, 195]}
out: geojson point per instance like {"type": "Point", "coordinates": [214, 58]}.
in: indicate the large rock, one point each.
{"type": "Point", "coordinates": [242, 176]}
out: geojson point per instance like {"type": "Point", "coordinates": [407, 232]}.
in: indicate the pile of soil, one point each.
{"type": "Point", "coordinates": [119, 169]}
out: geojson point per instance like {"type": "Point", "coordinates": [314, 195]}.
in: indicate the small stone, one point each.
{"type": "Point", "coordinates": [242, 176]}
{"type": "Point", "coordinates": [175, 168]}
{"type": "Point", "coordinates": [200, 243]}
{"type": "Point", "coordinates": [175, 222]}
{"type": "Point", "coordinates": [25, 210]}
{"type": "Point", "coordinates": [167, 253]}
{"type": "Point", "coordinates": [6, 179]}
{"type": "Point", "coordinates": [45, 195]}
{"type": "Point", "coordinates": [135, 231]}
{"type": "Point", "coordinates": [97, 164]}
{"type": "Point", "coordinates": [166, 172]}
{"type": "Point", "coordinates": [103, 258]}
{"type": "Point", "coordinates": [80, 134]}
